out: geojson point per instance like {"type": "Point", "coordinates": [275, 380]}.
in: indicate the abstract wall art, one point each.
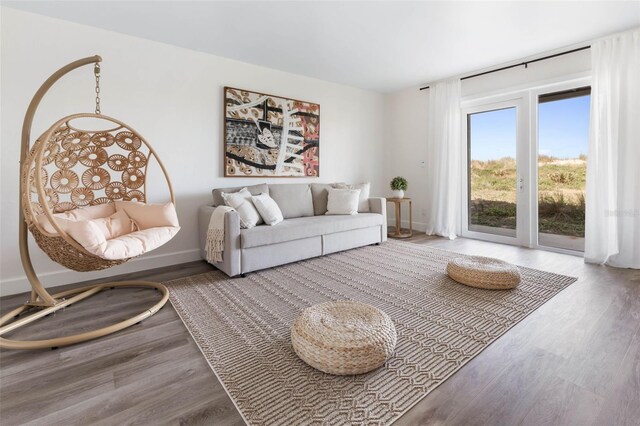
{"type": "Point", "coordinates": [270, 136]}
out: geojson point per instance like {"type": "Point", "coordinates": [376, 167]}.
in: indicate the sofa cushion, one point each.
{"type": "Point", "coordinates": [294, 199]}
{"type": "Point", "coordinates": [268, 209]}
{"type": "Point", "coordinates": [365, 190]}
{"type": "Point", "coordinates": [254, 190]}
{"type": "Point", "coordinates": [342, 201]}
{"type": "Point", "coordinates": [241, 202]}
{"type": "Point", "coordinates": [135, 243]}
{"type": "Point", "coordinates": [305, 227]}
{"type": "Point", "coordinates": [319, 193]}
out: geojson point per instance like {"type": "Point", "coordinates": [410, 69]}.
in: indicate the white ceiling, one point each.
{"type": "Point", "coordinates": [382, 46]}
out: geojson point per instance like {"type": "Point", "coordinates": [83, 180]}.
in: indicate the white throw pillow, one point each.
{"type": "Point", "coordinates": [241, 202]}
{"type": "Point", "coordinates": [365, 189]}
{"type": "Point", "coordinates": [268, 209]}
{"type": "Point", "coordinates": [342, 201]}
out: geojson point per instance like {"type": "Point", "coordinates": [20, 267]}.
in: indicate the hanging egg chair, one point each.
{"type": "Point", "coordinates": [83, 198]}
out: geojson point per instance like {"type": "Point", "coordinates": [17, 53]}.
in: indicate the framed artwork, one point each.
{"type": "Point", "coordinates": [270, 136]}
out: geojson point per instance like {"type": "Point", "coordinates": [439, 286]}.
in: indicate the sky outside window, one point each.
{"type": "Point", "coordinates": [563, 130]}
{"type": "Point", "coordinates": [563, 127]}
{"type": "Point", "coordinates": [493, 134]}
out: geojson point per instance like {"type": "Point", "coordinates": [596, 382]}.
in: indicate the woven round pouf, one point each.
{"type": "Point", "coordinates": [484, 272]}
{"type": "Point", "coordinates": [343, 337]}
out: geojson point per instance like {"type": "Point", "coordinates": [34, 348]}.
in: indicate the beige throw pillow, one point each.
{"type": "Point", "coordinates": [149, 215]}
{"type": "Point", "coordinates": [268, 209]}
{"type": "Point", "coordinates": [85, 232]}
{"type": "Point", "coordinates": [76, 215]}
{"type": "Point", "coordinates": [116, 225]}
{"type": "Point", "coordinates": [241, 202]}
{"type": "Point", "coordinates": [342, 201]}
{"type": "Point", "coordinates": [95, 232]}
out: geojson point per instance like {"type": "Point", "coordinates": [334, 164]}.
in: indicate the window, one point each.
{"type": "Point", "coordinates": [526, 157]}
{"type": "Point", "coordinates": [563, 142]}
{"type": "Point", "coordinates": [492, 171]}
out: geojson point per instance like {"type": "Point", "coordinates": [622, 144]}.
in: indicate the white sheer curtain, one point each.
{"type": "Point", "coordinates": [612, 233]}
{"type": "Point", "coordinates": [443, 159]}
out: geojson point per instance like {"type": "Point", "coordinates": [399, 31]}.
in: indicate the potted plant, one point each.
{"type": "Point", "coordinates": [398, 186]}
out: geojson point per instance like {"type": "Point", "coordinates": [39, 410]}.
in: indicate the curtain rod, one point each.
{"type": "Point", "coordinates": [526, 64]}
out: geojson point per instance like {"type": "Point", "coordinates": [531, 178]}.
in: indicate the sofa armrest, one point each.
{"type": "Point", "coordinates": [379, 205]}
{"type": "Point", "coordinates": [230, 264]}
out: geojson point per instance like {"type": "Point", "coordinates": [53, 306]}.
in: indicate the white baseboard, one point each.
{"type": "Point", "coordinates": [417, 226]}
{"type": "Point", "coordinates": [20, 284]}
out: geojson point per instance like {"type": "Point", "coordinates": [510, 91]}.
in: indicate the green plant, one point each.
{"type": "Point", "coordinates": [399, 183]}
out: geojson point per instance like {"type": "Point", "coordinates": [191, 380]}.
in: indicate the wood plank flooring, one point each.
{"type": "Point", "coordinates": [574, 361]}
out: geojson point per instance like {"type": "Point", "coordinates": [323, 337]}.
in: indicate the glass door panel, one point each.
{"type": "Point", "coordinates": [492, 171]}
{"type": "Point", "coordinates": [563, 139]}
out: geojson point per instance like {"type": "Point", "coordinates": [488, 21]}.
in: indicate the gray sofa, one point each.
{"type": "Point", "coordinates": [305, 232]}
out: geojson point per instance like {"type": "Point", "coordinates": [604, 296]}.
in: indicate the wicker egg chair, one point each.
{"type": "Point", "coordinates": [67, 168]}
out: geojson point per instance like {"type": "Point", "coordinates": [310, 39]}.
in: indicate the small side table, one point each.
{"type": "Point", "coordinates": [398, 203]}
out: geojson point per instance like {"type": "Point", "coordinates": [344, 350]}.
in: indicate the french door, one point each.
{"type": "Point", "coordinates": [562, 124]}
{"type": "Point", "coordinates": [497, 170]}
{"type": "Point", "coordinates": [525, 167]}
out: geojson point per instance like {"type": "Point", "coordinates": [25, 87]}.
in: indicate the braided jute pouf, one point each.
{"type": "Point", "coordinates": [484, 272]}
{"type": "Point", "coordinates": [343, 337]}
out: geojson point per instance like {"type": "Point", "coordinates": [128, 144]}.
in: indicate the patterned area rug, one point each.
{"type": "Point", "coordinates": [242, 327]}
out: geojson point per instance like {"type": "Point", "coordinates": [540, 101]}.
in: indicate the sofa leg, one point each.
{"type": "Point", "coordinates": [377, 244]}
{"type": "Point", "coordinates": [243, 275]}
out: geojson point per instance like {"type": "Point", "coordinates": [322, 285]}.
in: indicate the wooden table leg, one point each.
{"type": "Point", "coordinates": [397, 233]}
{"type": "Point", "coordinates": [410, 218]}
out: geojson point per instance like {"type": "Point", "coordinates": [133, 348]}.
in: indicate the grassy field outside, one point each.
{"type": "Point", "coordinates": [561, 201]}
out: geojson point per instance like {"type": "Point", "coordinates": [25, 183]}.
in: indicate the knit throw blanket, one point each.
{"type": "Point", "coordinates": [215, 234]}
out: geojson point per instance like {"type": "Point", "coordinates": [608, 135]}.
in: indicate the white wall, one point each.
{"type": "Point", "coordinates": [406, 113]}
{"type": "Point", "coordinates": [172, 96]}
